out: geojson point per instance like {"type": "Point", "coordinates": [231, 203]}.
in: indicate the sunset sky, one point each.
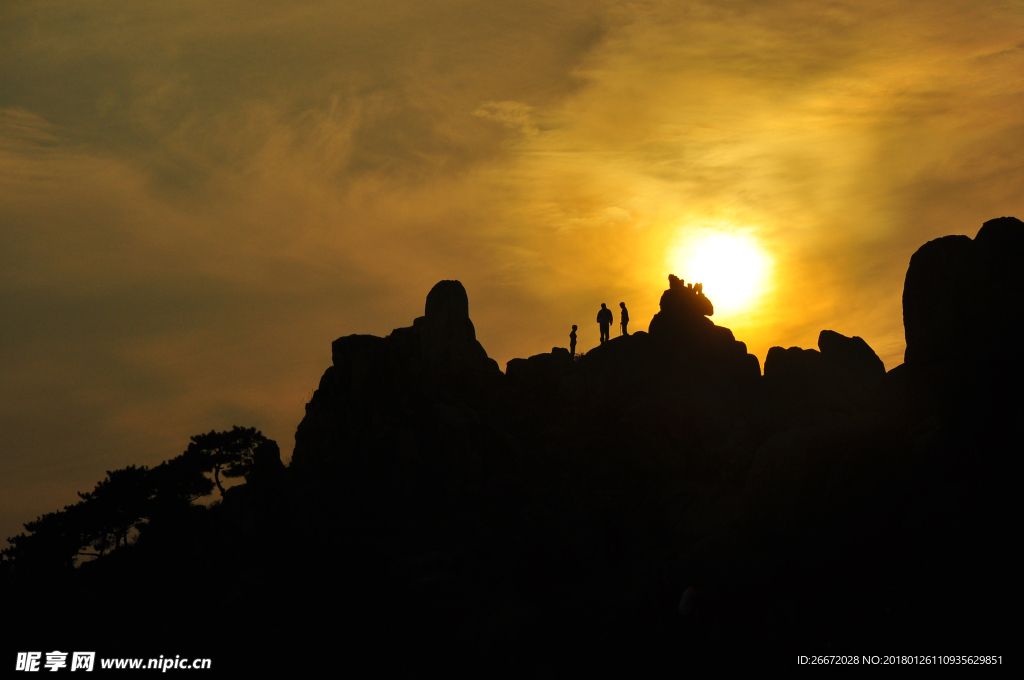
{"type": "Point", "coordinates": [198, 196]}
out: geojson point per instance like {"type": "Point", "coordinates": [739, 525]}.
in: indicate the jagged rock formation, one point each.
{"type": "Point", "coordinates": [894, 463]}
{"type": "Point", "coordinates": [682, 327]}
{"type": "Point", "coordinates": [682, 308]}
{"type": "Point", "coordinates": [454, 512]}
{"type": "Point", "coordinates": [384, 393]}
{"type": "Point", "coordinates": [444, 340]}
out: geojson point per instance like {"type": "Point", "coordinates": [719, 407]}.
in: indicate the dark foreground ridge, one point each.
{"type": "Point", "coordinates": [654, 501]}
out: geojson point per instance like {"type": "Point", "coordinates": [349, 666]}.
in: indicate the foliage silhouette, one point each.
{"type": "Point", "coordinates": [230, 452]}
{"type": "Point", "coordinates": [130, 498]}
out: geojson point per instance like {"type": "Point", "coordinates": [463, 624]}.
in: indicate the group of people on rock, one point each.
{"type": "Point", "coordinates": [605, 318]}
{"type": "Point", "coordinates": [604, 321]}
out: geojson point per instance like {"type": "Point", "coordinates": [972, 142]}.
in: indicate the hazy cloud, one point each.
{"type": "Point", "coordinates": [196, 197]}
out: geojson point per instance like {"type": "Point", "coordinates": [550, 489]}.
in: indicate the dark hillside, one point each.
{"type": "Point", "coordinates": [655, 500]}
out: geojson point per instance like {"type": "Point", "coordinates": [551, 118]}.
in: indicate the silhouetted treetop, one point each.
{"type": "Point", "coordinates": [116, 506]}
{"type": "Point", "coordinates": [136, 497]}
{"type": "Point", "coordinates": [230, 452]}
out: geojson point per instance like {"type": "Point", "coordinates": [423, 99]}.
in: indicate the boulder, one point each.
{"type": "Point", "coordinates": [447, 340]}
{"type": "Point", "coordinates": [808, 385]}
{"type": "Point", "coordinates": [794, 364]}
{"type": "Point", "coordinates": [852, 356]}
{"type": "Point", "coordinates": [683, 312]}
{"type": "Point", "coordinates": [963, 306]}
{"type": "Point", "coordinates": [693, 341]}
{"type": "Point", "coordinates": [940, 308]}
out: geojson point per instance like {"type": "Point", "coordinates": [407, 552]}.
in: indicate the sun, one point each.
{"type": "Point", "coordinates": [732, 266]}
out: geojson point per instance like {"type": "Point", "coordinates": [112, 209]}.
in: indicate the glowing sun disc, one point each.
{"type": "Point", "coordinates": [731, 266]}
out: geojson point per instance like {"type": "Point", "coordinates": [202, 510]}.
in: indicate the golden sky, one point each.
{"type": "Point", "coordinates": [198, 196]}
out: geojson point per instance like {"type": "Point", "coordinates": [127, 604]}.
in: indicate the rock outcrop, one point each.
{"type": "Point", "coordinates": [963, 307]}
{"type": "Point", "coordinates": [682, 328]}
{"type": "Point", "coordinates": [682, 309]}
{"type": "Point", "coordinates": [842, 376]}
{"type": "Point", "coordinates": [575, 507]}
{"type": "Point", "coordinates": [794, 365]}
{"type": "Point", "coordinates": [384, 393]}
{"type": "Point", "coordinates": [853, 357]}
{"type": "Point", "coordinates": [444, 342]}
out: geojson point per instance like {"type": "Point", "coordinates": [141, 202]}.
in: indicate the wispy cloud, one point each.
{"type": "Point", "coordinates": [196, 197]}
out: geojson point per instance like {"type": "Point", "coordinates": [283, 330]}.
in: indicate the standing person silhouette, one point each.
{"type": "Point", "coordinates": [604, 319]}
{"type": "Point", "coordinates": [625, 318]}
{"type": "Point", "coordinates": [572, 341]}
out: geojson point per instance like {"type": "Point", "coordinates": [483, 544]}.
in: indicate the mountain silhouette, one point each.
{"type": "Point", "coordinates": [655, 500]}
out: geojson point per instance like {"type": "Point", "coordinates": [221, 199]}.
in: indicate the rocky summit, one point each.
{"type": "Point", "coordinates": [655, 500]}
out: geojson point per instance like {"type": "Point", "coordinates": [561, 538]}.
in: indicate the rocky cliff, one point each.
{"type": "Point", "coordinates": [656, 499]}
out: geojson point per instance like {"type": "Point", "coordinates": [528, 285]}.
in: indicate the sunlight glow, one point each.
{"type": "Point", "coordinates": [733, 267]}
